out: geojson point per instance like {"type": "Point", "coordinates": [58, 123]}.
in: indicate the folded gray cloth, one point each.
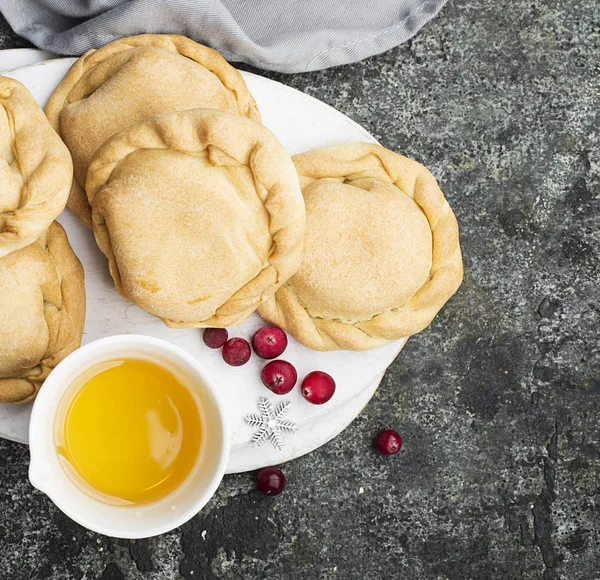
{"type": "Point", "coordinates": [281, 35]}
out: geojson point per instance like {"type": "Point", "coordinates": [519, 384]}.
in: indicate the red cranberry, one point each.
{"type": "Point", "coordinates": [236, 352]}
{"type": "Point", "coordinates": [215, 337]}
{"type": "Point", "coordinates": [269, 342]}
{"type": "Point", "coordinates": [318, 387]}
{"type": "Point", "coordinates": [270, 481]}
{"type": "Point", "coordinates": [388, 442]}
{"type": "Point", "coordinates": [279, 376]}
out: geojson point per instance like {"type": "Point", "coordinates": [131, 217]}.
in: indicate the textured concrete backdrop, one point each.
{"type": "Point", "coordinates": [498, 401]}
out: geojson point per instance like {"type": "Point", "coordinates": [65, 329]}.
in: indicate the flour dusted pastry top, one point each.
{"type": "Point", "coordinates": [42, 312]}
{"type": "Point", "coordinates": [35, 169]}
{"type": "Point", "coordinates": [131, 79]}
{"type": "Point", "coordinates": [200, 215]}
{"type": "Point", "coordinates": [382, 252]}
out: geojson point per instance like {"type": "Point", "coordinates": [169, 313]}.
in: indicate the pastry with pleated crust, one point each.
{"type": "Point", "coordinates": [200, 215]}
{"type": "Point", "coordinates": [382, 251]}
{"type": "Point", "coordinates": [35, 169]}
{"type": "Point", "coordinates": [42, 313]}
{"type": "Point", "coordinates": [131, 79]}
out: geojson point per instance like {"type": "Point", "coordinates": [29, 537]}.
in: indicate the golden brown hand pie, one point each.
{"type": "Point", "coordinates": [382, 253]}
{"type": "Point", "coordinates": [200, 215]}
{"type": "Point", "coordinates": [42, 312]}
{"type": "Point", "coordinates": [131, 79]}
{"type": "Point", "coordinates": [35, 169]}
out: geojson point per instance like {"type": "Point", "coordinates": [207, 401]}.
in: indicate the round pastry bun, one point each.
{"type": "Point", "coordinates": [133, 78]}
{"type": "Point", "coordinates": [42, 313]}
{"type": "Point", "coordinates": [200, 215]}
{"type": "Point", "coordinates": [382, 251]}
{"type": "Point", "coordinates": [35, 169]}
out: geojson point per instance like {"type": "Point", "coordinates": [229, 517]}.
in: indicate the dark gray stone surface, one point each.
{"type": "Point", "coordinates": [498, 401]}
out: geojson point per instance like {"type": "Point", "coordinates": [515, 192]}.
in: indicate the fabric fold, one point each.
{"type": "Point", "coordinates": [286, 36]}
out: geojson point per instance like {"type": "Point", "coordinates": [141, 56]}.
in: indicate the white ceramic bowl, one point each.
{"type": "Point", "coordinates": [46, 471]}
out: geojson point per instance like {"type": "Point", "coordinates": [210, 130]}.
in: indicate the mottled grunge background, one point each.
{"type": "Point", "coordinates": [498, 401]}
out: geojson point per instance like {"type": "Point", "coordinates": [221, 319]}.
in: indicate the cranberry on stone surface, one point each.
{"type": "Point", "coordinates": [318, 387]}
{"type": "Point", "coordinates": [215, 337]}
{"type": "Point", "coordinates": [388, 442]}
{"type": "Point", "coordinates": [279, 376]}
{"type": "Point", "coordinates": [270, 481]}
{"type": "Point", "coordinates": [269, 342]}
{"type": "Point", "coordinates": [236, 352]}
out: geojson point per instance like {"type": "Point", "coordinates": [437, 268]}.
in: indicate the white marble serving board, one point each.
{"type": "Point", "coordinates": [300, 122]}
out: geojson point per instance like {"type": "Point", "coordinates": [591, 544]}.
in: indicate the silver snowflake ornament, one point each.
{"type": "Point", "coordinates": [271, 423]}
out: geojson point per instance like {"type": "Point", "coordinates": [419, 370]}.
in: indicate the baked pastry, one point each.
{"type": "Point", "coordinates": [382, 253]}
{"type": "Point", "coordinates": [35, 169]}
{"type": "Point", "coordinates": [42, 312]}
{"type": "Point", "coordinates": [200, 215]}
{"type": "Point", "coordinates": [131, 79]}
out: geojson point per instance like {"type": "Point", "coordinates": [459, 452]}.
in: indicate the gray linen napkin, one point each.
{"type": "Point", "coordinates": [282, 35]}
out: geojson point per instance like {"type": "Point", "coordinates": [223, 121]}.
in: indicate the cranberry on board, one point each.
{"type": "Point", "coordinates": [270, 481]}
{"type": "Point", "coordinates": [269, 342]}
{"type": "Point", "coordinates": [318, 387]}
{"type": "Point", "coordinates": [279, 376]}
{"type": "Point", "coordinates": [236, 352]}
{"type": "Point", "coordinates": [215, 337]}
{"type": "Point", "coordinates": [388, 442]}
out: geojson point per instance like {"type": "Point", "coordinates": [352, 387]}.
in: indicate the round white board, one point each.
{"type": "Point", "coordinates": [301, 123]}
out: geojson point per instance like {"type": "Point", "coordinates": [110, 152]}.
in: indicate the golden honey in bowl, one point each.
{"type": "Point", "coordinates": [132, 431]}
